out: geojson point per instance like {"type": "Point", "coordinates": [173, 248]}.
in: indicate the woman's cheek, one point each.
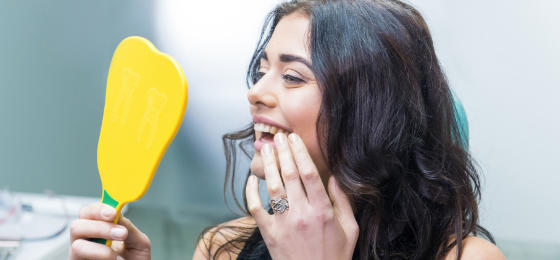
{"type": "Point", "coordinates": [302, 112]}
{"type": "Point", "coordinates": [301, 109]}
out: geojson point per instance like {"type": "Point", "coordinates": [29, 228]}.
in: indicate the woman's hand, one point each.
{"type": "Point", "coordinates": [312, 227]}
{"type": "Point", "coordinates": [96, 221]}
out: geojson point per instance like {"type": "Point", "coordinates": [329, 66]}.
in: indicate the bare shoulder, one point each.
{"type": "Point", "coordinates": [217, 236]}
{"type": "Point", "coordinates": [476, 248]}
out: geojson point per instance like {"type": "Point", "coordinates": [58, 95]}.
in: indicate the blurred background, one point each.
{"type": "Point", "coordinates": [501, 58]}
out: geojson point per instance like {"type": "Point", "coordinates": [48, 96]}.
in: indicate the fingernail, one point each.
{"type": "Point", "coordinates": [332, 180]}
{"type": "Point", "coordinates": [293, 138]}
{"type": "Point", "coordinates": [267, 149]}
{"type": "Point", "coordinates": [107, 213]}
{"type": "Point", "coordinates": [118, 232]}
{"type": "Point", "coordinates": [280, 138]}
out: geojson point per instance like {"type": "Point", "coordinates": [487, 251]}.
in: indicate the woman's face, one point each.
{"type": "Point", "coordinates": [286, 96]}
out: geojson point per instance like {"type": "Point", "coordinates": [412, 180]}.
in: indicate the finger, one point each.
{"type": "Point", "coordinates": [83, 249]}
{"type": "Point", "coordinates": [273, 180]}
{"type": "Point", "coordinates": [87, 228]}
{"type": "Point", "coordinates": [118, 246]}
{"type": "Point", "coordinates": [254, 204]}
{"type": "Point", "coordinates": [290, 175]}
{"type": "Point", "coordinates": [98, 211]}
{"type": "Point", "coordinates": [309, 174]}
{"type": "Point", "coordinates": [342, 208]}
{"type": "Point", "coordinates": [135, 238]}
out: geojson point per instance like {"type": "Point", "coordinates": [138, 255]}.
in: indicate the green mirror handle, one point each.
{"type": "Point", "coordinates": [108, 200]}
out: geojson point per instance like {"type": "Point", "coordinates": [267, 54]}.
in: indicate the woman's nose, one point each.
{"type": "Point", "coordinates": [261, 94]}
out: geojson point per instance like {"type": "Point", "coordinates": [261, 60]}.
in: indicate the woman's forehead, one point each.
{"type": "Point", "coordinates": [290, 37]}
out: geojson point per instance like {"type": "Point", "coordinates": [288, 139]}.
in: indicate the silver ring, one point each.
{"type": "Point", "coordinates": [279, 206]}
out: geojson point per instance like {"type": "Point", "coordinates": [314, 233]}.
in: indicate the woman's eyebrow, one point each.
{"type": "Point", "coordinates": [289, 58]}
{"type": "Point", "coordinates": [292, 58]}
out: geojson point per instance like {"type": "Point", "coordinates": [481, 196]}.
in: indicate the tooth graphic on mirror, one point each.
{"type": "Point", "coordinates": [129, 84]}
{"type": "Point", "coordinates": [149, 124]}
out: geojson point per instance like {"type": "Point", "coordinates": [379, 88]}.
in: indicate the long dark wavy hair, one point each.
{"type": "Point", "coordinates": [392, 138]}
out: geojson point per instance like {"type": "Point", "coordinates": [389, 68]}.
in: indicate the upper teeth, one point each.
{"type": "Point", "coordinates": [261, 127]}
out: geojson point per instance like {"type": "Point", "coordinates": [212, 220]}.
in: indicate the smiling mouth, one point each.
{"type": "Point", "coordinates": [266, 132]}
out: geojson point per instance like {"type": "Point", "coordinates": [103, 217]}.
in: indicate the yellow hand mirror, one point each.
{"type": "Point", "coordinates": [144, 106]}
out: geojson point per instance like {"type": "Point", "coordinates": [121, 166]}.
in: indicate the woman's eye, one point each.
{"type": "Point", "coordinates": [258, 76]}
{"type": "Point", "coordinates": [291, 79]}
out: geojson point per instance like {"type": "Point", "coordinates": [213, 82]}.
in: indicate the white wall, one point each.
{"type": "Point", "coordinates": [213, 42]}
{"type": "Point", "coordinates": [502, 58]}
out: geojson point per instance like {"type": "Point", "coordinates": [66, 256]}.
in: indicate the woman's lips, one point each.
{"type": "Point", "coordinates": [270, 122]}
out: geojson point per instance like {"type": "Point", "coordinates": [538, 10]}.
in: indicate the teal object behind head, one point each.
{"type": "Point", "coordinates": [462, 123]}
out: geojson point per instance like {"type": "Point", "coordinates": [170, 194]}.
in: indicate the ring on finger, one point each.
{"type": "Point", "coordinates": [279, 206]}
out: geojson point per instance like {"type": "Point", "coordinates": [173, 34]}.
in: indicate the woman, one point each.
{"type": "Point", "coordinates": [354, 133]}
